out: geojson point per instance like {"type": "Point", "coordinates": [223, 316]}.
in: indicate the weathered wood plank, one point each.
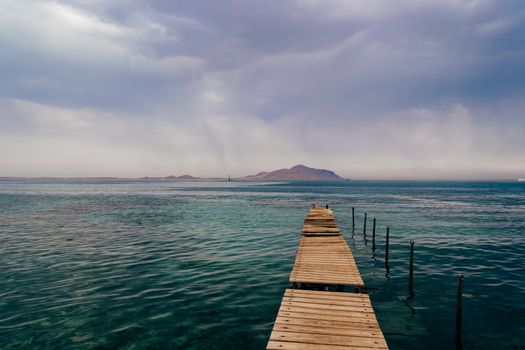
{"type": "Point", "coordinates": [314, 294]}
{"type": "Point", "coordinates": [278, 345]}
{"type": "Point", "coordinates": [327, 339]}
{"type": "Point", "coordinates": [320, 229]}
{"type": "Point", "coordinates": [342, 302]}
{"type": "Point", "coordinates": [314, 322]}
{"type": "Point", "coordinates": [348, 318]}
{"type": "Point", "coordinates": [314, 319]}
{"type": "Point", "coordinates": [366, 333]}
{"type": "Point", "coordinates": [325, 260]}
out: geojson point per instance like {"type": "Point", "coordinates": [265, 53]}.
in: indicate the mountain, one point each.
{"type": "Point", "coordinates": [182, 177]}
{"type": "Point", "coordinates": [298, 172]}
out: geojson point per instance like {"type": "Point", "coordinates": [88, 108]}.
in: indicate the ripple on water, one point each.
{"type": "Point", "coordinates": [175, 265]}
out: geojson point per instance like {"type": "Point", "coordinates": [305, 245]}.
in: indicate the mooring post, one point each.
{"type": "Point", "coordinates": [411, 270]}
{"type": "Point", "coordinates": [374, 235]}
{"type": "Point", "coordinates": [387, 246]}
{"type": "Point", "coordinates": [459, 312]}
{"type": "Point", "coordinates": [364, 226]}
{"type": "Point", "coordinates": [353, 220]}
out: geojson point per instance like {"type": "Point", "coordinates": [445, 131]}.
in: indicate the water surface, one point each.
{"type": "Point", "coordinates": [159, 264]}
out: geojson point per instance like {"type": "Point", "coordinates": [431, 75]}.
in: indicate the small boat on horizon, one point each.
{"type": "Point", "coordinates": [521, 180]}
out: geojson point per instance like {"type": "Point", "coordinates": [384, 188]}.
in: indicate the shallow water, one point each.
{"type": "Point", "coordinates": [145, 264]}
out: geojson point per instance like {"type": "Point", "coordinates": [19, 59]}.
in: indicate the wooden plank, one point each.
{"type": "Point", "coordinates": [313, 322]}
{"type": "Point", "coordinates": [319, 217]}
{"type": "Point", "coordinates": [315, 266]}
{"type": "Point", "coordinates": [278, 345]}
{"type": "Point", "coordinates": [303, 312]}
{"type": "Point", "coordinates": [322, 294]}
{"type": "Point", "coordinates": [325, 260]}
{"type": "Point", "coordinates": [321, 240]}
{"type": "Point", "coordinates": [370, 333]}
{"type": "Point", "coordinates": [352, 280]}
{"type": "Point", "coordinates": [326, 322]}
{"type": "Point", "coordinates": [321, 234]}
{"type": "Point", "coordinates": [320, 209]}
{"type": "Point", "coordinates": [314, 229]}
{"type": "Point", "coordinates": [319, 213]}
{"type": "Point", "coordinates": [321, 270]}
{"type": "Point", "coordinates": [320, 223]}
{"type": "Point", "coordinates": [312, 299]}
{"type": "Point", "coordinates": [322, 281]}
{"type": "Point", "coordinates": [347, 318]}
{"type": "Point", "coordinates": [328, 307]}
{"type": "Point", "coordinates": [321, 278]}
{"type": "Point", "coordinates": [327, 339]}
{"type": "Point", "coordinates": [320, 273]}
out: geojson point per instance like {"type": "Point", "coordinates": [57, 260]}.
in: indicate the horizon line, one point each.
{"type": "Point", "coordinates": [218, 178]}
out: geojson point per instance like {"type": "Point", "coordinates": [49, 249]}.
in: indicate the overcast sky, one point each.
{"type": "Point", "coordinates": [373, 89]}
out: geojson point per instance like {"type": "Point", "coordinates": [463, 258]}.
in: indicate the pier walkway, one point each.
{"type": "Point", "coordinates": [310, 316]}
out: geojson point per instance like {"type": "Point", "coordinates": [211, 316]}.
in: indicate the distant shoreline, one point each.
{"type": "Point", "coordinates": [216, 179]}
{"type": "Point", "coordinates": [201, 179]}
{"type": "Point", "coordinates": [109, 178]}
{"type": "Point", "coordinates": [298, 172]}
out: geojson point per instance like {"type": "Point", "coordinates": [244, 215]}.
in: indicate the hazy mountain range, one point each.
{"type": "Point", "coordinates": [298, 172]}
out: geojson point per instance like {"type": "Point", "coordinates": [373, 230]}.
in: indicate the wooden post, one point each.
{"type": "Point", "coordinates": [459, 312]}
{"type": "Point", "coordinates": [411, 270]}
{"type": "Point", "coordinates": [387, 246]}
{"type": "Point", "coordinates": [364, 226]}
{"type": "Point", "coordinates": [374, 235]}
{"type": "Point", "coordinates": [353, 220]}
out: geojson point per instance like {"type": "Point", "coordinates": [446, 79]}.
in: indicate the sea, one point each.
{"type": "Point", "coordinates": [88, 264]}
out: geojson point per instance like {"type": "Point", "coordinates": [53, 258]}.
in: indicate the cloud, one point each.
{"type": "Point", "coordinates": [64, 55]}
{"type": "Point", "coordinates": [56, 141]}
{"type": "Point", "coordinates": [93, 142]}
{"type": "Point", "coordinates": [371, 89]}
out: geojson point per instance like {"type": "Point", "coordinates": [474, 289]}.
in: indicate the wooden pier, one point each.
{"type": "Point", "coordinates": [310, 316]}
{"type": "Point", "coordinates": [325, 261]}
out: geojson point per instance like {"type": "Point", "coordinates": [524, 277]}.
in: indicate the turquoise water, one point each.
{"type": "Point", "coordinates": [145, 265]}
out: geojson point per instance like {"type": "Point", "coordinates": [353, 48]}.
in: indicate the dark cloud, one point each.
{"type": "Point", "coordinates": [300, 72]}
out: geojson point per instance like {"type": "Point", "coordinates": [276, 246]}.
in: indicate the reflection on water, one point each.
{"type": "Point", "coordinates": [135, 264]}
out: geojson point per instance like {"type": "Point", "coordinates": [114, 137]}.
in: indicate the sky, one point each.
{"type": "Point", "coordinates": [373, 89]}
